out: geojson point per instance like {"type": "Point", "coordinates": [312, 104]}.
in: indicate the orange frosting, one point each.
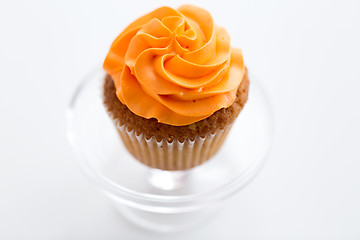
{"type": "Point", "coordinates": [175, 65]}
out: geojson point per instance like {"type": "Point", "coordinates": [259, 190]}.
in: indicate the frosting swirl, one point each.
{"type": "Point", "coordinates": [175, 65]}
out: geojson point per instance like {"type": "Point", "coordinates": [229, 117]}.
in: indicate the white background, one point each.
{"type": "Point", "coordinates": [306, 54]}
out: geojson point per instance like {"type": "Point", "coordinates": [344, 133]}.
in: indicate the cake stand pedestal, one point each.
{"type": "Point", "coordinates": [166, 201]}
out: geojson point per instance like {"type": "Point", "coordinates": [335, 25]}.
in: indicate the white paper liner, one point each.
{"type": "Point", "coordinates": [174, 155]}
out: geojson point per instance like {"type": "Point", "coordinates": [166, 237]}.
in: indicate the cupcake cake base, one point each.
{"type": "Point", "coordinates": [167, 147]}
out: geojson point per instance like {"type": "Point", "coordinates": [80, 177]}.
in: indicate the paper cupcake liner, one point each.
{"type": "Point", "coordinates": [172, 155]}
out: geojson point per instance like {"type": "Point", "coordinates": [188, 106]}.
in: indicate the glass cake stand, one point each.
{"type": "Point", "coordinates": [166, 201]}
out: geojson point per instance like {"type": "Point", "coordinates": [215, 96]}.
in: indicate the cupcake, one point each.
{"type": "Point", "coordinates": [174, 87]}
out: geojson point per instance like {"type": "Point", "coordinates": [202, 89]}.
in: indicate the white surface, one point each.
{"type": "Point", "coordinates": [305, 52]}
